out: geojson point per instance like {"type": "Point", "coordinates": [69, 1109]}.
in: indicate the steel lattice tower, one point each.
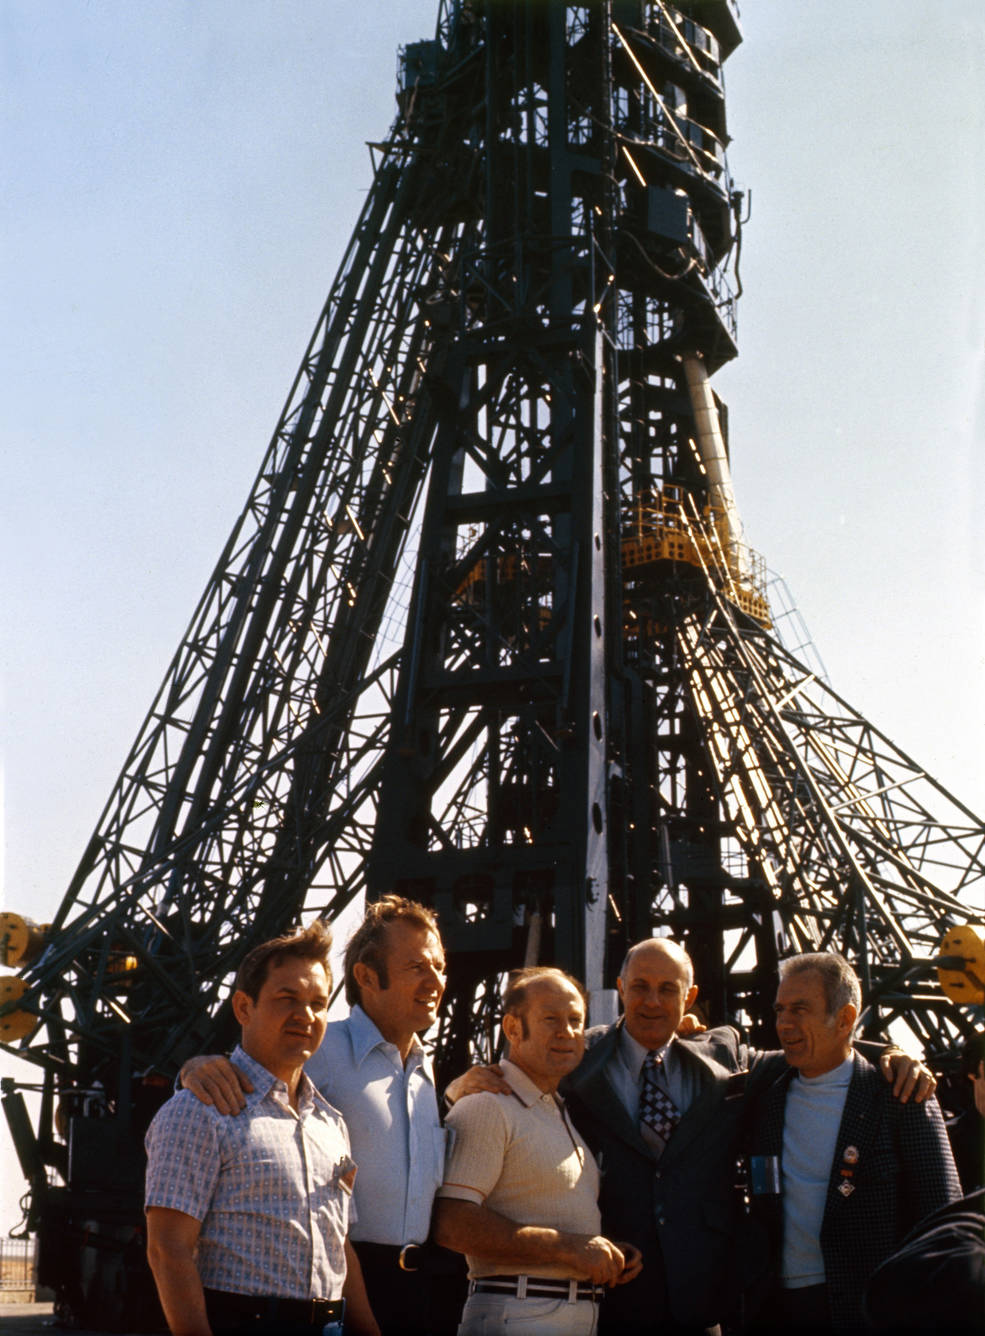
{"type": "Point", "coordinates": [486, 631]}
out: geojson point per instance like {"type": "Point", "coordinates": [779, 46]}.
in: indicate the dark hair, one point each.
{"type": "Point", "coordinates": [839, 980]}
{"type": "Point", "coordinates": [367, 945]}
{"type": "Point", "coordinates": [311, 943]}
{"type": "Point", "coordinates": [519, 982]}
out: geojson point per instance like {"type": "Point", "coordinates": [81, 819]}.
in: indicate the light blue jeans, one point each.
{"type": "Point", "coordinates": [487, 1314]}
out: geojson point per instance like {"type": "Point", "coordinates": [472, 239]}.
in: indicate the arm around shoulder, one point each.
{"type": "Point", "coordinates": [910, 1077]}
{"type": "Point", "coordinates": [723, 1043]}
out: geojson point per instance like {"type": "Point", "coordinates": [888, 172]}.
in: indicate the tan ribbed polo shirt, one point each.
{"type": "Point", "coordinates": [520, 1155]}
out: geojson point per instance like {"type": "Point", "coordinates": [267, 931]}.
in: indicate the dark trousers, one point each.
{"type": "Point", "coordinates": [409, 1303]}
{"type": "Point", "coordinates": [642, 1308]}
{"type": "Point", "coordinates": [804, 1310]}
{"type": "Point", "coordinates": [648, 1325]}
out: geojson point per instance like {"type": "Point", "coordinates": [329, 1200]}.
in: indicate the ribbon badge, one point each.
{"type": "Point", "coordinates": [850, 1158]}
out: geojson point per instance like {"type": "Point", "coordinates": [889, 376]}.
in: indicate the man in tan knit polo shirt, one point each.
{"type": "Point", "coordinates": [520, 1196]}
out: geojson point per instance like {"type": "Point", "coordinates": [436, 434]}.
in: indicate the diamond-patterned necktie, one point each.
{"type": "Point", "coordinates": [657, 1110]}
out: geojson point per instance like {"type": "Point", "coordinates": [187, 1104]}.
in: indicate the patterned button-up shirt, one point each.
{"type": "Point", "coordinates": [272, 1187]}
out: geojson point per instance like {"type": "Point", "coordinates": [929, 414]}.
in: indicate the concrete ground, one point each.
{"type": "Point", "coordinates": [27, 1320]}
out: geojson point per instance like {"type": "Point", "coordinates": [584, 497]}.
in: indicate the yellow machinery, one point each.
{"type": "Point", "coordinates": [961, 965]}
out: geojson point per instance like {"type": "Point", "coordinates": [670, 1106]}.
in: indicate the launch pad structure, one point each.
{"type": "Point", "coordinates": [487, 633]}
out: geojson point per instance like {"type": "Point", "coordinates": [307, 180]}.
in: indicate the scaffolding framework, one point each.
{"type": "Point", "coordinates": [486, 631]}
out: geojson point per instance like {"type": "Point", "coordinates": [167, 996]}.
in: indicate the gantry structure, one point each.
{"type": "Point", "coordinates": [487, 632]}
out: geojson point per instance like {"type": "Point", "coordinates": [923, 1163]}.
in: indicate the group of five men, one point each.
{"type": "Point", "coordinates": [590, 1179]}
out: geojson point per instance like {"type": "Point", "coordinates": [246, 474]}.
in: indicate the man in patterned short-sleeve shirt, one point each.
{"type": "Point", "coordinates": [247, 1218]}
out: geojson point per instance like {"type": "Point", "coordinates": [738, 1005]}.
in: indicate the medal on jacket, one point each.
{"type": "Point", "coordinates": [849, 1159]}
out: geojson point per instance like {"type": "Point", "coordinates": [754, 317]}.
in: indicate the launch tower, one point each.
{"type": "Point", "coordinates": [487, 631]}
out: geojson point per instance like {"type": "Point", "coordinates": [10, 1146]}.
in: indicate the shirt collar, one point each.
{"type": "Point", "coordinates": [837, 1076]}
{"type": "Point", "coordinates": [262, 1079]}
{"type": "Point", "coordinates": [365, 1036]}
{"type": "Point", "coordinates": [264, 1082]}
{"type": "Point", "coordinates": [526, 1091]}
{"type": "Point", "coordinates": [634, 1054]}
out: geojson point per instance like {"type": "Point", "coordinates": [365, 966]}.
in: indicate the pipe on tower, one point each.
{"type": "Point", "coordinates": [711, 448]}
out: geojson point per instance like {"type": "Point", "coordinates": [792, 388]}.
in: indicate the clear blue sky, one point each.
{"type": "Point", "coordinates": [180, 181]}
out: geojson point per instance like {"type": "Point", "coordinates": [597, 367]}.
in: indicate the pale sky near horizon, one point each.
{"type": "Point", "coordinates": [181, 180]}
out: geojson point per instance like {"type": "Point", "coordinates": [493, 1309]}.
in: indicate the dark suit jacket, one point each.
{"type": "Point", "coordinates": [681, 1209]}
{"type": "Point", "coordinates": [936, 1280]}
{"type": "Point", "coordinates": [903, 1170]}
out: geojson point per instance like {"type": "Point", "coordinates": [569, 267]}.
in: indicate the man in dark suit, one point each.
{"type": "Point", "coordinates": [851, 1169]}
{"type": "Point", "coordinates": [666, 1132]}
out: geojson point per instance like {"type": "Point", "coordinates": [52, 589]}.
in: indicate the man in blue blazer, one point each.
{"type": "Point", "coordinates": [851, 1169]}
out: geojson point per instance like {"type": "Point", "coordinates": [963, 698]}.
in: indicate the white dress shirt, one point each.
{"type": "Point", "coordinates": [391, 1111]}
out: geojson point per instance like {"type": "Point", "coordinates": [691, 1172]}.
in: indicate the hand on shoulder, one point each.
{"type": "Point", "coordinates": [483, 1078]}
{"type": "Point", "coordinates": [214, 1080]}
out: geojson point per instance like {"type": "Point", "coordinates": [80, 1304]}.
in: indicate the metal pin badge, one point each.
{"type": "Point", "coordinates": [846, 1189]}
{"type": "Point", "coordinates": [850, 1155]}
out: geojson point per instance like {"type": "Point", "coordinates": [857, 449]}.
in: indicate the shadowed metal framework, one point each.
{"type": "Point", "coordinates": [487, 631]}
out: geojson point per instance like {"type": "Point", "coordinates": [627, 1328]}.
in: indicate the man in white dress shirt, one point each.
{"type": "Point", "coordinates": [373, 1068]}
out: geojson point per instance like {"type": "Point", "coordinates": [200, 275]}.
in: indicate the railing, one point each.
{"type": "Point", "coordinates": [664, 526]}
{"type": "Point", "coordinates": [685, 41]}
{"type": "Point", "coordinates": [17, 1270]}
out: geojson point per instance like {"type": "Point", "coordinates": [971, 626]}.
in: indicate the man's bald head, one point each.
{"type": "Point", "coordinates": [656, 984]}
{"type": "Point", "coordinates": [660, 946]}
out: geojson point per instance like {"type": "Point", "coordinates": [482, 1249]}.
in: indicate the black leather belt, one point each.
{"type": "Point", "coordinates": [537, 1287]}
{"type": "Point", "coordinates": [224, 1307]}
